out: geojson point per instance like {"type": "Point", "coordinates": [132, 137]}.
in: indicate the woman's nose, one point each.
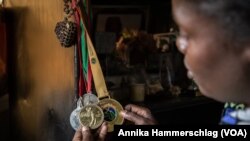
{"type": "Point", "coordinates": [182, 44]}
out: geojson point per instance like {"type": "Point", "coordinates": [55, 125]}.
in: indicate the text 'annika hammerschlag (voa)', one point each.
{"type": "Point", "coordinates": [157, 132]}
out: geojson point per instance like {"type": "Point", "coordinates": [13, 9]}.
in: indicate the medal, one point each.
{"type": "Point", "coordinates": [111, 109]}
{"type": "Point", "coordinates": [91, 116]}
{"type": "Point", "coordinates": [90, 98]}
{"type": "Point", "coordinates": [74, 120]}
{"type": "Point", "coordinates": [74, 116]}
{"type": "Point", "coordinates": [87, 113]}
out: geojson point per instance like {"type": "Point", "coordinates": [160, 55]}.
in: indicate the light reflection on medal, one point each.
{"type": "Point", "coordinates": [91, 115]}
{"type": "Point", "coordinates": [111, 109]}
{"type": "Point", "coordinates": [74, 120]}
{"type": "Point", "coordinates": [74, 116]}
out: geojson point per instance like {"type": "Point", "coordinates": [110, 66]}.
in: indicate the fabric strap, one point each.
{"type": "Point", "coordinates": [97, 73]}
{"type": "Point", "coordinates": [98, 77]}
{"type": "Point", "coordinates": [94, 68]}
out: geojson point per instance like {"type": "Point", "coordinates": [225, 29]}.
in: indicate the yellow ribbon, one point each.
{"type": "Point", "coordinates": [98, 77]}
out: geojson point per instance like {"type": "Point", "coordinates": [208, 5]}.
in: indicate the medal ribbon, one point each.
{"type": "Point", "coordinates": [81, 83]}
{"type": "Point", "coordinates": [98, 77]}
{"type": "Point", "coordinates": [83, 51]}
{"type": "Point", "coordinates": [85, 59]}
{"type": "Point", "coordinates": [88, 14]}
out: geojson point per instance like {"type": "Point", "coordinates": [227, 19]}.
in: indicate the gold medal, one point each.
{"type": "Point", "coordinates": [111, 109]}
{"type": "Point", "coordinates": [91, 116]}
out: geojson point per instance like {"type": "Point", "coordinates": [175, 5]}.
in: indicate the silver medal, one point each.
{"type": "Point", "coordinates": [90, 98]}
{"type": "Point", "coordinates": [74, 116]}
{"type": "Point", "coordinates": [74, 121]}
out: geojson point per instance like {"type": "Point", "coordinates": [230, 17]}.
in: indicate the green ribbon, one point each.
{"type": "Point", "coordinates": [84, 48]}
{"type": "Point", "coordinates": [84, 51]}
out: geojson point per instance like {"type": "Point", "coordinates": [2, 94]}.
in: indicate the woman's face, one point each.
{"type": "Point", "coordinates": [213, 64]}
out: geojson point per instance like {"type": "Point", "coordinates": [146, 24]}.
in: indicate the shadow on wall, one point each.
{"type": "Point", "coordinates": [40, 73]}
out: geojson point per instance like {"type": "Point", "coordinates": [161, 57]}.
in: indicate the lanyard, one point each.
{"type": "Point", "coordinates": [85, 79]}
{"type": "Point", "coordinates": [98, 77]}
{"type": "Point", "coordinates": [81, 86]}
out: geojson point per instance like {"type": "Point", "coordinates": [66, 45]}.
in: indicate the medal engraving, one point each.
{"type": "Point", "coordinates": [91, 116]}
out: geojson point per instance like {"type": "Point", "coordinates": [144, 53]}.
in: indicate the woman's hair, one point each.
{"type": "Point", "coordinates": [231, 15]}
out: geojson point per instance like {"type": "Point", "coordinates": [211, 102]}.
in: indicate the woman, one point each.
{"type": "Point", "coordinates": [215, 40]}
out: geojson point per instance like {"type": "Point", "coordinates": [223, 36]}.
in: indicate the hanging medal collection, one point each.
{"type": "Point", "coordinates": [91, 109]}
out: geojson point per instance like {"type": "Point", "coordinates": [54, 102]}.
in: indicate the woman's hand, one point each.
{"type": "Point", "coordinates": [84, 134]}
{"type": "Point", "coordinates": [138, 115]}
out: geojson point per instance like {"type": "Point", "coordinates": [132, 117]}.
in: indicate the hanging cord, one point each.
{"type": "Point", "coordinates": [81, 80]}
{"type": "Point", "coordinates": [83, 49]}
{"type": "Point", "coordinates": [76, 71]}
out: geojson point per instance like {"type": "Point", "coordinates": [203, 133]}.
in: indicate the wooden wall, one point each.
{"type": "Point", "coordinates": [41, 73]}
